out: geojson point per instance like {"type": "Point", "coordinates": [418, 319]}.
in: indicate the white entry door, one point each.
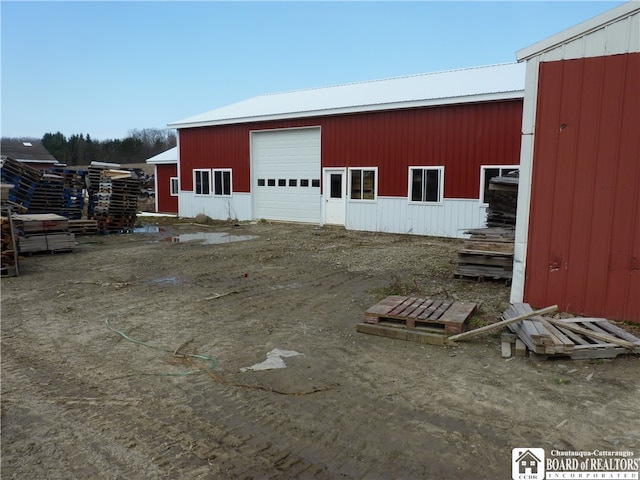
{"type": "Point", "coordinates": [335, 196]}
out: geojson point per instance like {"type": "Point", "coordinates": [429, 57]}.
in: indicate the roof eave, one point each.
{"type": "Point", "coordinates": [488, 97]}
{"type": "Point", "coordinates": [579, 30]}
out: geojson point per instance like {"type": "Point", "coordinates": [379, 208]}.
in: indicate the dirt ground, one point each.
{"type": "Point", "coordinates": [96, 383]}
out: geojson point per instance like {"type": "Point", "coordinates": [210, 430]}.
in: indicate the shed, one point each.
{"type": "Point", "coordinates": [28, 151]}
{"type": "Point", "coordinates": [165, 173]}
{"type": "Point", "coordinates": [578, 226]}
{"type": "Point", "coordinates": [404, 155]}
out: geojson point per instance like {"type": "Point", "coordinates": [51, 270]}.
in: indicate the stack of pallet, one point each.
{"type": "Point", "coordinates": [9, 252]}
{"type": "Point", "coordinates": [502, 197]}
{"type": "Point", "coordinates": [47, 232]}
{"type": "Point", "coordinates": [74, 186]}
{"type": "Point", "coordinates": [115, 204]}
{"type": "Point", "coordinates": [577, 338]}
{"type": "Point", "coordinates": [487, 254]}
{"type": "Point", "coordinates": [24, 180]}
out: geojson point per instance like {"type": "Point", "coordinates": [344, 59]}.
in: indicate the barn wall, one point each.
{"type": "Point", "coordinates": [459, 137]}
{"type": "Point", "coordinates": [584, 226]}
{"type": "Point", "coordinates": [165, 202]}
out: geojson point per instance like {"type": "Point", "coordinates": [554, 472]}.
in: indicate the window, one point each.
{"type": "Point", "coordinates": [222, 183]}
{"type": "Point", "coordinates": [304, 182]}
{"type": "Point", "coordinates": [271, 182]}
{"type": "Point", "coordinates": [315, 182]}
{"type": "Point", "coordinates": [362, 184]}
{"type": "Point", "coordinates": [173, 186]}
{"type": "Point", "coordinates": [282, 182]}
{"type": "Point", "coordinates": [261, 182]}
{"type": "Point", "coordinates": [293, 182]}
{"type": "Point", "coordinates": [202, 182]}
{"type": "Point", "coordinates": [426, 184]}
{"type": "Point", "coordinates": [487, 173]}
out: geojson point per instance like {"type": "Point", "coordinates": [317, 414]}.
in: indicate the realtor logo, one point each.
{"type": "Point", "coordinates": [527, 463]}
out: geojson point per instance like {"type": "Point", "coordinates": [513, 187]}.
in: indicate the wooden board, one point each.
{"type": "Point", "coordinates": [577, 338]}
{"type": "Point", "coordinates": [404, 334]}
{"type": "Point", "coordinates": [413, 312]}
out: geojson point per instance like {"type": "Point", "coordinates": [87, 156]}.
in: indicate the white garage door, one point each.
{"type": "Point", "coordinates": [286, 175]}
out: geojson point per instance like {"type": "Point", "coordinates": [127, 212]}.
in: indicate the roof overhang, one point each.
{"type": "Point", "coordinates": [579, 30]}
{"type": "Point", "coordinates": [167, 157]}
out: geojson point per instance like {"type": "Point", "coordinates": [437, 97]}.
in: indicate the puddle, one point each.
{"type": "Point", "coordinates": [147, 229]}
{"type": "Point", "coordinates": [211, 238]}
{"type": "Point", "coordinates": [171, 280]}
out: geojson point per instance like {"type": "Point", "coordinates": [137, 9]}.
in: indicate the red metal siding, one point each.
{"type": "Point", "coordinates": [460, 137]}
{"type": "Point", "coordinates": [166, 202]}
{"type": "Point", "coordinates": [584, 232]}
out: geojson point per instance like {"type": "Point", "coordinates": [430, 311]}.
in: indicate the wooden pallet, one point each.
{"type": "Point", "coordinates": [577, 338]}
{"type": "Point", "coordinates": [411, 313]}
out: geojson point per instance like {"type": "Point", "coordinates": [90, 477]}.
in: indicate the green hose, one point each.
{"type": "Point", "coordinates": [205, 358]}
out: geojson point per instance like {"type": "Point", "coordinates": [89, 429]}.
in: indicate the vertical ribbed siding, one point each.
{"type": "Point", "coordinates": [584, 227]}
{"type": "Point", "coordinates": [166, 202]}
{"type": "Point", "coordinates": [459, 137]}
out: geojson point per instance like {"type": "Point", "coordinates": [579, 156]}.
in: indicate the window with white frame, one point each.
{"type": "Point", "coordinates": [202, 182]}
{"type": "Point", "coordinates": [426, 184]}
{"type": "Point", "coordinates": [173, 185]}
{"type": "Point", "coordinates": [362, 183]}
{"type": "Point", "coordinates": [222, 182]}
{"type": "Point", "coordinates": [489, 172]}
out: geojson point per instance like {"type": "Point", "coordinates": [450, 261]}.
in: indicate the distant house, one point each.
{"type": "Point", "coordinates": [30, 152]}
{"type": "Point", "coordinates": [403, 155]}
{"type": "Point", "coordinates": [166, 180]}
{"type": "Point", "coordinates": [578, 225]}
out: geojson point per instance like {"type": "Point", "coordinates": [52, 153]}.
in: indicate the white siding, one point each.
{"type": "Point", "coordinates": [397, 215]}
{"type": "Point", "coordinates": [236, 207]}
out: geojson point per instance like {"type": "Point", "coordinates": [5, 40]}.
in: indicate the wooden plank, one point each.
{"type": "Point", "coordinates": [400, 307]}
{"type": "Point", "coordinates": [418, 311]}
{"type": "Point", "coordinates": [440, 311]}
{"type": "Point", "coordinates": [459, 312]}
{"type": "Point", "coordinates": [592, 334]}
{"type": "Point", "coordinates": [566, 342]}
{"type": "Point", "coordinates": [619, 332]}
{"type": "Point", "coordinates": [429, 311]}
{"type": "Point", "coordinates": [503, 323]}
{"type": "Point", "coordinates": [380, 309]}
{"type": "Point", "coordinates": [404, 334]}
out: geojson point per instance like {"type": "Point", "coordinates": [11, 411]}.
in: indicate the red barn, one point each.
{"type": "Point", "coordinates": [578, 226]}
{"type": "Point", "coordinates": [166, 180]}
{"type": "Point", "coordinates": [402, 155]}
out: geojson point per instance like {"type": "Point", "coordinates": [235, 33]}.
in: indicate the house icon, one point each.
{"type": "Point", "coordinates": [528, 463]}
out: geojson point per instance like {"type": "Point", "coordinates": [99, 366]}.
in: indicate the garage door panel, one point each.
{"type": "Point", "coordinates": [287, 155]}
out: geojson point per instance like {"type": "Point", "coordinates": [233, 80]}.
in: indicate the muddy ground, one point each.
{"type": "Point", "coordinates": [96, 383]}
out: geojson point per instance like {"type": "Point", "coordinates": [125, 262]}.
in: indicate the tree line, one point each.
{"type": "Point", "coordinates": [137, 147]}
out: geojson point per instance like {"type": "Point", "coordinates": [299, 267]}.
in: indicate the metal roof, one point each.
{"type": "Point", "coordinates": [168, 156]}
{"type": "Point", "coordinates": [477, 84]}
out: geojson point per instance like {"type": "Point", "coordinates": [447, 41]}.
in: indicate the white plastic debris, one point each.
{"type": "Point", "coordinates": [274, 360]}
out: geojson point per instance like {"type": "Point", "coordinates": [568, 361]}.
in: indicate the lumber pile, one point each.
{"type": "Point", "coordinates": [115, 203]}
{"type": "Point", "coordinates": [35, 233]}
{"type": "Point", "coordinates": [74, 182]}
{"type": "Point", "coordinates": [9, 251]}
{"type": "Point", "coordinates": [577, 338]}
{"type": "Point", "coordinates": [488, 253]}
{"type": "Point", "coordinates": [34, 191]}
{"type": "Point", "coordinates": [502, 197]}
